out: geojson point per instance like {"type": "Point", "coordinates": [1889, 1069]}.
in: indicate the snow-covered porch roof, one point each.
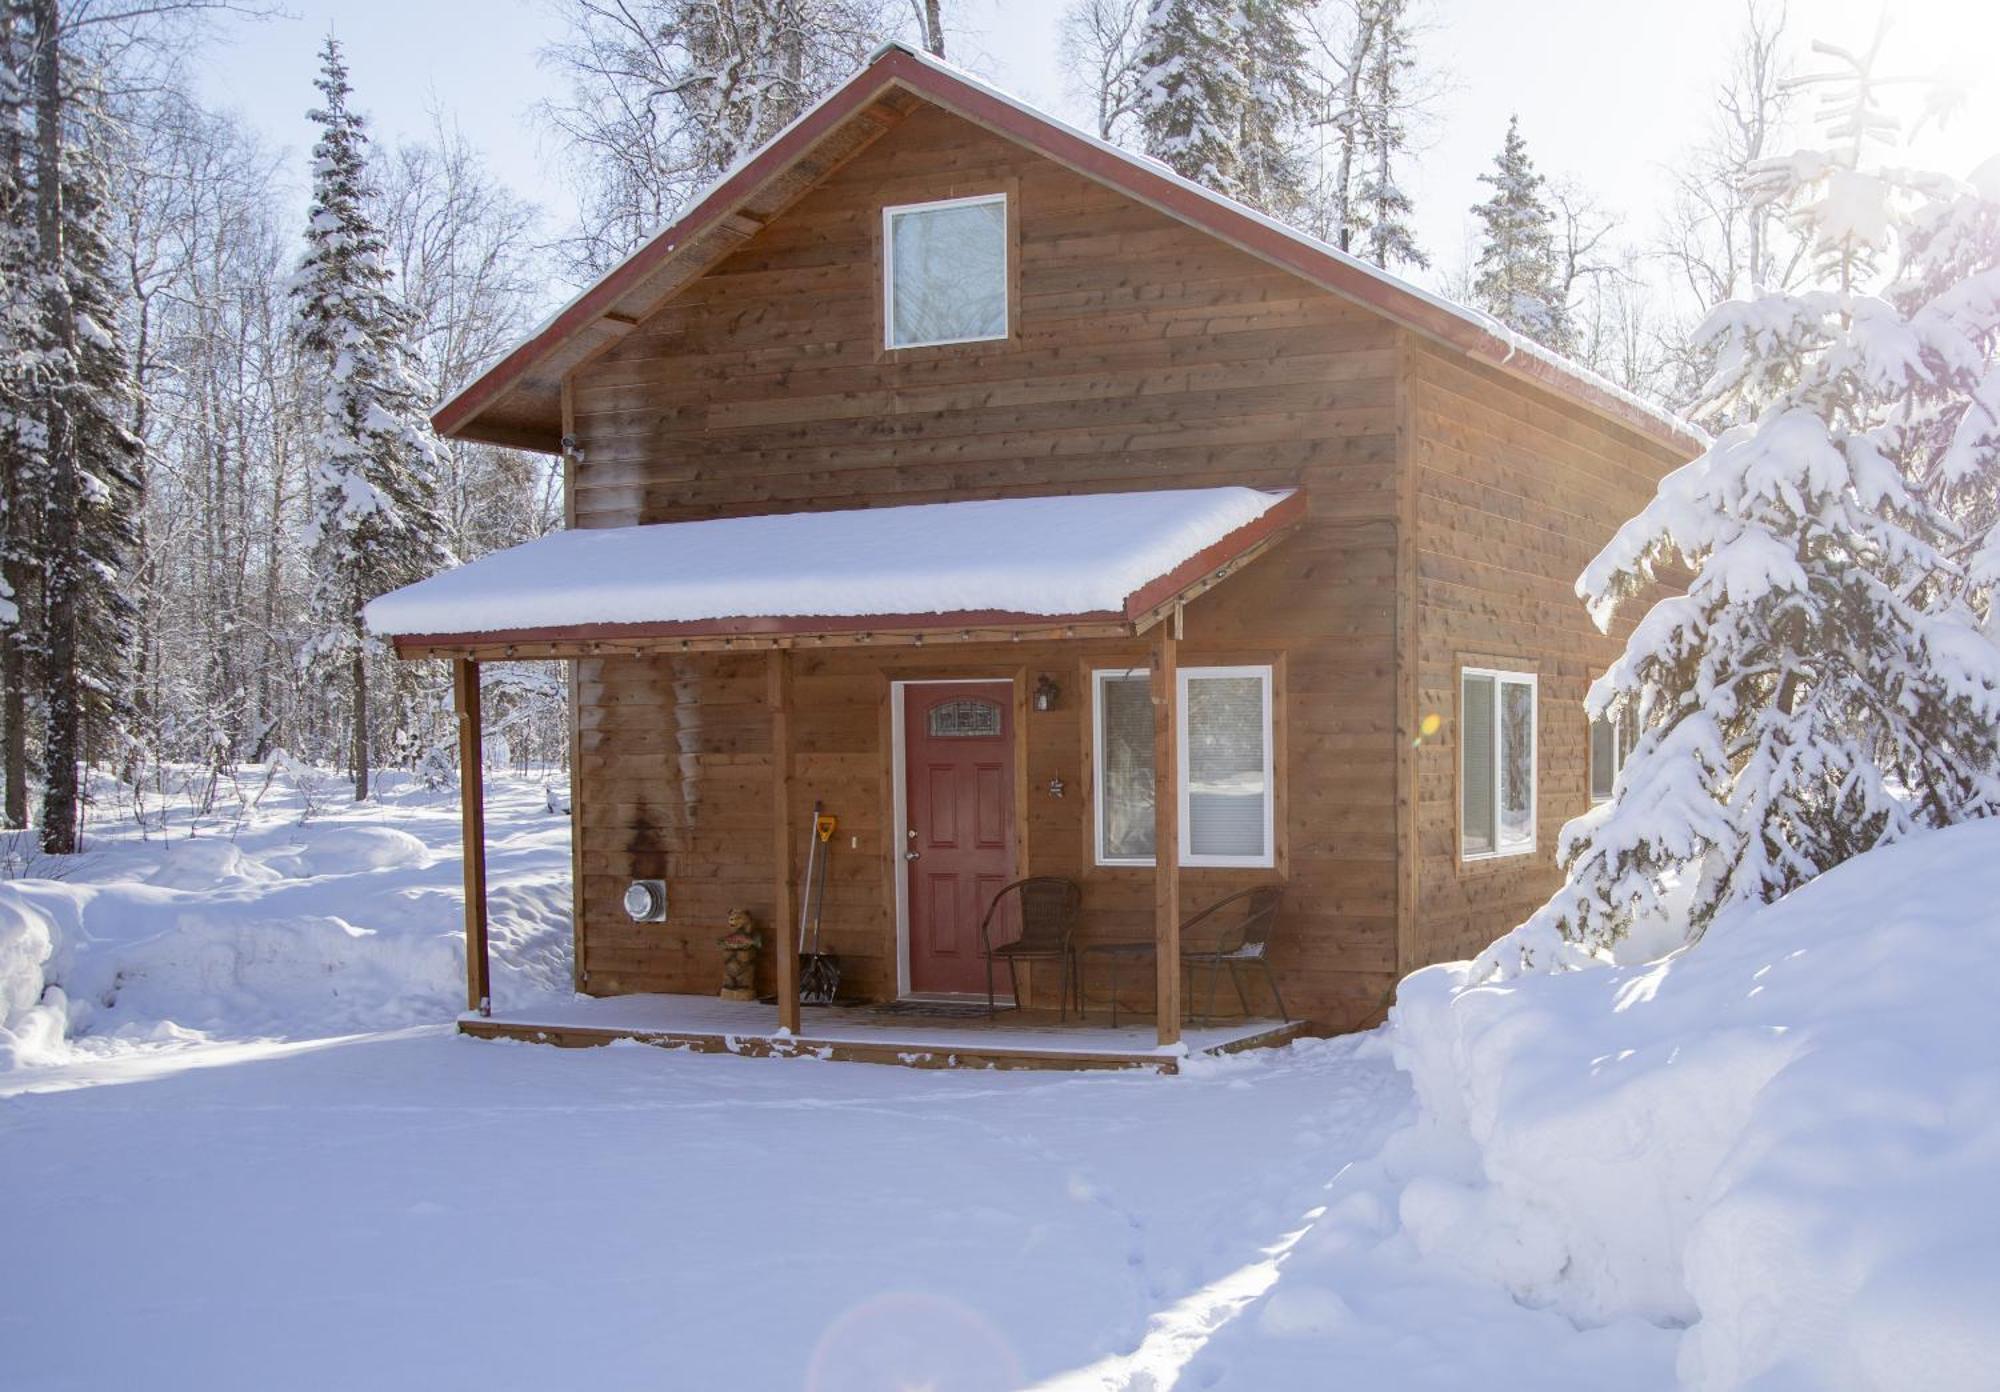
{"type": "Point", "coordinates": [1074, 566]}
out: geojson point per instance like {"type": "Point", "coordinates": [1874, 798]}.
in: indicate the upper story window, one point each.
{"type": "Point", "coordinates": [1496, 763]}
{"type": "Point", "coordinates": [1224, 752]}
{"type": "Point", "coordinates": [944, 271]}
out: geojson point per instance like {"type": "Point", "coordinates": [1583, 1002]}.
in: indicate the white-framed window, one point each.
{"type": "Point", "coordinates": [1611, 742]}
{"type": "Point", "coordinates": [1225, 785]}
{"type": "Point", "coordinates": [1496, 763]}
{"type": "Point", "coordinates": [1122, 744]}
{"type": "Point", "coordinates": [1224, 752]}
{"type": "Point", "coordinates": [944, 271]}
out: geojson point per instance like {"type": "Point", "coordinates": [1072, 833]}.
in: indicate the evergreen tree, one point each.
{"type": "Point", "coordinates": [1276, 88]}
{"type": "Point", "coordinates": [1219, 85]}
{"type": "Point", "coordinates": [84, 391]}
{"type": "Point", "coordinates": [22, 362]}
{"type": "Point", "coordinates": [1381, 130]}
{"type": "Point", "coordinates": [108, 454]}
{"type": "Point", "coordinates": [1825, 685]}
{"type": "Point", "coordinates": [1518, 277]}
{"type": "Point", "coordinates": [375, 518]}
{"type": "Point", "coordinates": [1192, 91]}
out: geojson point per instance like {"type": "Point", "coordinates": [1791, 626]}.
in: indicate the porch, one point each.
{"type": "Point", "coordinates": [872, 1034]}
{"type": "Point", "coordinates": [704, 741]}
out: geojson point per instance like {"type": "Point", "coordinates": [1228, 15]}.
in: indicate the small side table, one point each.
{"type": "Point", "coordinates": [1117, 953]}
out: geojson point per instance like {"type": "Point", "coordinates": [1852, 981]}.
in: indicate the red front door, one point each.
{"type": "Point", "coordinates": [958, 760]}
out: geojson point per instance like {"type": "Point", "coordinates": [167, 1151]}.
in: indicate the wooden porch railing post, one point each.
{"type": "Point", "coordinates": [1166, 828]}
{"type": "Point", "coordinates": [783, 908]}
{"type": "Point", "coordinates": [472, 808]}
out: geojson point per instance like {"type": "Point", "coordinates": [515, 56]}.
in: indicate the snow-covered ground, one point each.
{"type": "Point", "coordinates": [246, 1153]}
{"type": "Point", "coordinates": [286, 911]}
{"type": "Point", "coordinates": [1785, 1139]}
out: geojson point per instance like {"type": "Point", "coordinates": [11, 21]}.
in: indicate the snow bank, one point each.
{"type": "Point", "coordinates": [267, 923]}
{"type": "Point", "coordinates": [31, 1021]}
{"type": "Point", "coordinates": [1060, 555]}
{"type": "Point", "coordinates": [1786, 1139]}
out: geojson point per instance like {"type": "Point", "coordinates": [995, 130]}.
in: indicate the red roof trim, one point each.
{"type": "Point", "coordinates": [1281, 516]}
{"type": "Point", "coordinates": [721, 201]}
{"type": "Point", "coordinates": [1127, 173]}
{"type": "Point", "coordinates": [773, 626]}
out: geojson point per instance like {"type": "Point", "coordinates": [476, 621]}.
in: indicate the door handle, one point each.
{"type": "Point", "coordinates": [911, 855]}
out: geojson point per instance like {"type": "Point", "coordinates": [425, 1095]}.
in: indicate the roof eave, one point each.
{"type": "Point", "coordinates": [896, 65]}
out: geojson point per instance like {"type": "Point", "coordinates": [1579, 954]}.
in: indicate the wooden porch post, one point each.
{"type": "Point", "coordinates": [472, 807]}
{"type": "Point", "coordinates": [783, 909]}
{"type": "Point", "coordinates": [1166, 828]}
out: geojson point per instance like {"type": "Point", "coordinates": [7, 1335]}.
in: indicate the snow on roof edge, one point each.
{"type": "Point", "coordinates": [1064, 554]}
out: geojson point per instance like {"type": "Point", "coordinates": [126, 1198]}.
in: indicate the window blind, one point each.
{"type": "Point", "coordinates": [1475, 772]}
{"type": "Point", "coordinates": [1227, 786]}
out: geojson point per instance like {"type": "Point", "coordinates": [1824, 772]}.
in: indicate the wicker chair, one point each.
{"type": "Point", "coordinates": [1049, 909]}
{"type": "Point", "coordinates": [1231, 934]}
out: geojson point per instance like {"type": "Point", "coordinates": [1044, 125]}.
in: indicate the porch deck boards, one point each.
{"type": "Point", "coordinates": [707, 1024]}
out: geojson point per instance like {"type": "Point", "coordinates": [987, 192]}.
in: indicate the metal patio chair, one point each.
{"type": "Point", "coordinates": [1050, 906]}
{"type": "Point", "coordinates": [1232, 934]}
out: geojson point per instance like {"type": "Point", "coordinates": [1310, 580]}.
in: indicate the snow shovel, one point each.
{"type": "Point", "coordinates": [819, 972]}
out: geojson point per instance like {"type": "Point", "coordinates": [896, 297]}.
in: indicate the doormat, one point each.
{"type": "Point", "coordinates": [931, 1010]}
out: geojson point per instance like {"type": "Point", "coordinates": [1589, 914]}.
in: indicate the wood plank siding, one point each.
{"type": "Point", "coordinates": [1513, 491]}
{"type": "Point", "coordinates": [1145, 354]}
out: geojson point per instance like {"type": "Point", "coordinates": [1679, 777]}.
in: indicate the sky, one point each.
{"type": "Point", "coordinates": [1609, 92]}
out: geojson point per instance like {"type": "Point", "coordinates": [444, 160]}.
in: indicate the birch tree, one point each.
{"type": "Point", "coordinates": [1100, 56]}
{"type": "Point", "coordinates": [667, 94]}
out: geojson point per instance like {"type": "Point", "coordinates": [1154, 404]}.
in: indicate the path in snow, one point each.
{"type": "Point", "coordinates": [188, 1205]}
{"type": "Point", "coordinates": [415, 1209]}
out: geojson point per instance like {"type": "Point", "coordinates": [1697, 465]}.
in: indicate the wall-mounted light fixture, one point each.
{"type": "Point", "coordinates": [1047, 693]}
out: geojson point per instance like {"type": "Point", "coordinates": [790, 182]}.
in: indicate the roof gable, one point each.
{"type": "Point", "coordinates": [518, 401]}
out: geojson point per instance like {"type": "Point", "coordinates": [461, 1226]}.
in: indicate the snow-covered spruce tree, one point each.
{"type": "Point", "coordinates": [1949, 290]}
{"type": "Point", "coordinates": [1381, 130]}
{"type": "Point", "coordinates": [1218, 88]}
{"type": "Point", "coordinates": [84, 392]}
{"type": "Point", "coordinates": [21, 437]}
{"type": "Point", "coordinates": [1827, 684]}
{"type": "Point", "coordinates": [101, 394]}
{"type": "Point", "coordinates": [1276, 88]}
{"type": "Point", "coordinates": [1192, 90]}
{"type": "Point", "coordinates": [1518, 276]}
{"type": "Point", "coordinates": [375, 520]}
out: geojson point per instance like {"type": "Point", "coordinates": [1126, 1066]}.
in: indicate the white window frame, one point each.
{"type": "Point", "coordinates": [1502, 678]}
{"type": "Point", "coordinates": [1098, 743]}
{"type": "Point", "coordinates": [889, 215]}
{"type": "Point", "coordinates": [1263, 673]}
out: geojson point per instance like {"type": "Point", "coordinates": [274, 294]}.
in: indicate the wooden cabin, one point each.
{"type": "Point", "coordinates": [924, 297]}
